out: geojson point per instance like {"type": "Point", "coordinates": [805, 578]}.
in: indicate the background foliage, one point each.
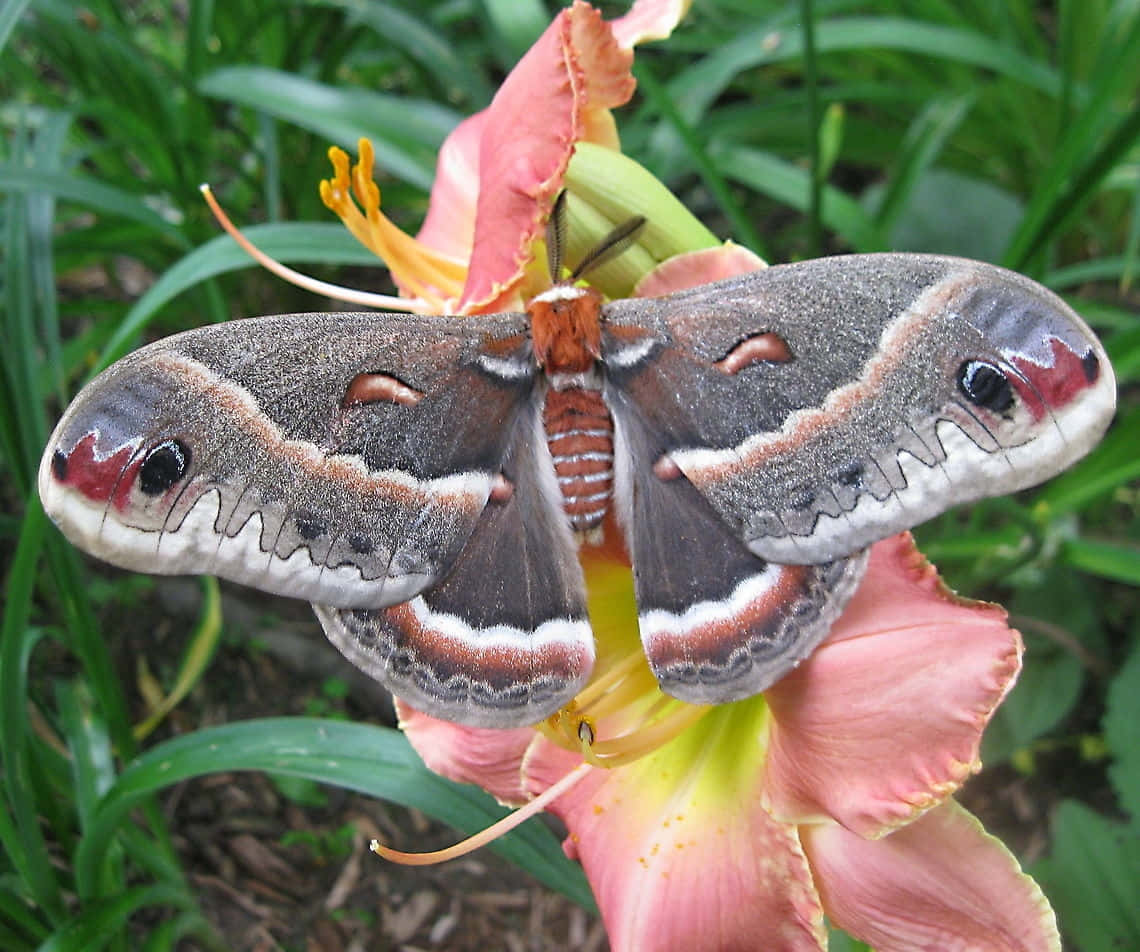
{"type": "Point", "coordinates": [1000, 131]}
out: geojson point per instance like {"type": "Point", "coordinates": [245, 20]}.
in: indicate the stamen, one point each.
{"type": "Point", "coordinates": [633, 745]}
{"type": "Point", "coordinates": [494, 831]}
{"type": "Point", "coordinates": [626, 686]}
{"type": "Point", "coordinates": [335, 291]}
{"type": "Point", "coordinates": [610, 678]}
{"type": "Point", "coordinates": [415, 266]}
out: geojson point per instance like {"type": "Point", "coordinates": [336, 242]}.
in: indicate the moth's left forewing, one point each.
{"type": "Point", "coordinates": [824, 405]}
{"type": "Point", "coordinates": [332, 457]}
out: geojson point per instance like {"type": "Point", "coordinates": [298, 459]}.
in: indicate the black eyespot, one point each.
{"type": "Point", "coordinates": [59, 465]}
{"type": "Point", "coordinates": [984, 385]}
{"type": "Point", "coordinates": [1090, 364]}
{"type": "Point", "coordinates": [851, 475]}
{"type": "Point", "coordinates": [361, 545]}
{"type": "Point", "coordinates": [308, 527]}
{"type": "Point", "coordinates": [164, 465]}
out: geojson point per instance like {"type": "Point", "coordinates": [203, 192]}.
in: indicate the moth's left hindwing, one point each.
{"type": "Point", "coordinates": [503, 640]}
{"type": "Point", "coordinates": [329, 457]}
{"type": "Point", "coordinates": [824, 405]}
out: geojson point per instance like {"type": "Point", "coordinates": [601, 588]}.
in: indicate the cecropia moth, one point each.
{"type": "Point", "coordinates": [427, 481]}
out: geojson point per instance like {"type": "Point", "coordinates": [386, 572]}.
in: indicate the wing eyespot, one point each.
{"type": "Point", "coordinates": [164, 466]}
{"type": "Point", "coordinates": [366, 388]}
{"type": "Point", "coordinates": [59, 465]}
{"type": "Point", "coordinates": [766, 348]}
{"type": "Point", "coordinates": [308, 526]}
{"type": "Point", "coordinates": [1090, 364]}
{"type": "Point", "coordinates": [985, 386]}
{"type": "Point", "coordinates": [851, 475]}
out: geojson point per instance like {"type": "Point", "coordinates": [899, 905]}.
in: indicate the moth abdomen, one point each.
{"type": "Point", "coordinates": [580, 437]}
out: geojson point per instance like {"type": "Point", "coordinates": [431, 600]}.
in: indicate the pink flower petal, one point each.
{"type": "Point", "coordinates": [479, 755]}
{"type": "Point", "coordinates": [649, 20]}
{"type": "Point", "coordinates": [557, 94]}
{"type": "Point", "coordinates": [681, 856]}
{"type": "Point", "coordinates": [450, 223]}
{"type": "Point", "coordinates": [885, 719]}
{"type": "Point", "coordinates": [941, 883]}
{"type": "Point", "coordinates": [691, 268]}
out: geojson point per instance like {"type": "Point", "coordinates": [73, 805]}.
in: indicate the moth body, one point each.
{"type": "Point", "coordinates": [565, 327]}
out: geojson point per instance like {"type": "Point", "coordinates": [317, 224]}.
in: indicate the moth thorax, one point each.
{"type": "Point", "coordinates": [580, 434]}
{"type": "Point", "coordinates": [565, 327]}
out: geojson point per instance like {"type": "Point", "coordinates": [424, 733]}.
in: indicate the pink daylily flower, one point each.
{"type": "Point", "coordinates": [753, 824]}
{"type": "Point", "coordinates": [828, 796]}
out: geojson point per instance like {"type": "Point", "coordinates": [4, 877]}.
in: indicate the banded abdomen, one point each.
{"type": "Point", "coordinates": [580, 435]}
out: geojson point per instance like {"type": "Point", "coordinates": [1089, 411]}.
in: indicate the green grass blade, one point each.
{"type": "Point", "coordinates": [694, 89]}
{"type": "Point", "coordinates": [204, 640]}
{"type": "Point", "coordinates": [372, 760]}
{"type": "Point", "coordinates": [1087, 153]}
{"type": "Point", "coordinates": [815, 172]}
{"type": "Point", "coordinates": [313, 243]}
{"type": "Point", "coordinates": [100, 922]}
{"type": "Point", "coordinates": [10, 13]}
{"type": "Point", "coordinates": [14, 910]}
{"type": "Point", "coordinates": [90, 194]}
{"type": "Point", "coordinates": [921, 146]}
{"type": "Point", "coordinates": [516, 25]}
{"type": "Point", "coordinates": [708, 170]}
{"type": "Point", "coordinates": [791, 185]}
{"type": "Point", "coordinates": [422, 42]}
{"type": "Point", "coordinates": [1053, 214]}
{"type": "Point", "coordinates": [406, 133]}
{"type": "Point", "coordinates": [29, 853]}
{"type": "Point", "coordinates": [1118, 562]}
{"type": "Point", "coordinates": [1109, 466]}
{"type": "Point", "coordinates": [92, 759]}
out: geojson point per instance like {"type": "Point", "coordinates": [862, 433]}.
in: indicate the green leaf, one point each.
{"type": "Point", "coordinates": [1112, 464]}
{"type": "Point", "coordinates": [10, 13]}
{"type": "Point", "coordinates": [105, 198]}
{"type": "Point", "coordinates": [200, 650]}
{"type": "Point", "coordinates": [372, 760]}
{"type": "Point", "coordinates": [405, 132]}
{"type": "Point", "coordinates": [1091, 878]}
{"type": "Point", "coordinates": [1046, 691]}
{"type": "Point", "coordinates": [1057, 624]}
{"type": "Point", "coordinates": [1122, 732]}
{"type": "Point", "coordinates": [24, 840]}
{"type": "Point", "coordinates": [298, 241]}
{"type": "Point", "coordinates": [100, 921]}
{"type": "Point", "coordinates": [923, 143]}
{"type": "Point", "coordinates": [92, 759]}
{"type": "Point", "coordinates": [950, 213]}
{"type": "Point", "coordinates": [396, 27]}
{"type": "Point", "coordinates": [696, 87]}
{"type": "Point", "coordinates": [517, 23]}
{"type": "Point", "coordinates": [1119, 562]}
{"type": "Point", "coordinates": [787, 183]}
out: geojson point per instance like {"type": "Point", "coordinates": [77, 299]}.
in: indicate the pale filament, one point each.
{"type": "Point", "coordinates": [386, 302]}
